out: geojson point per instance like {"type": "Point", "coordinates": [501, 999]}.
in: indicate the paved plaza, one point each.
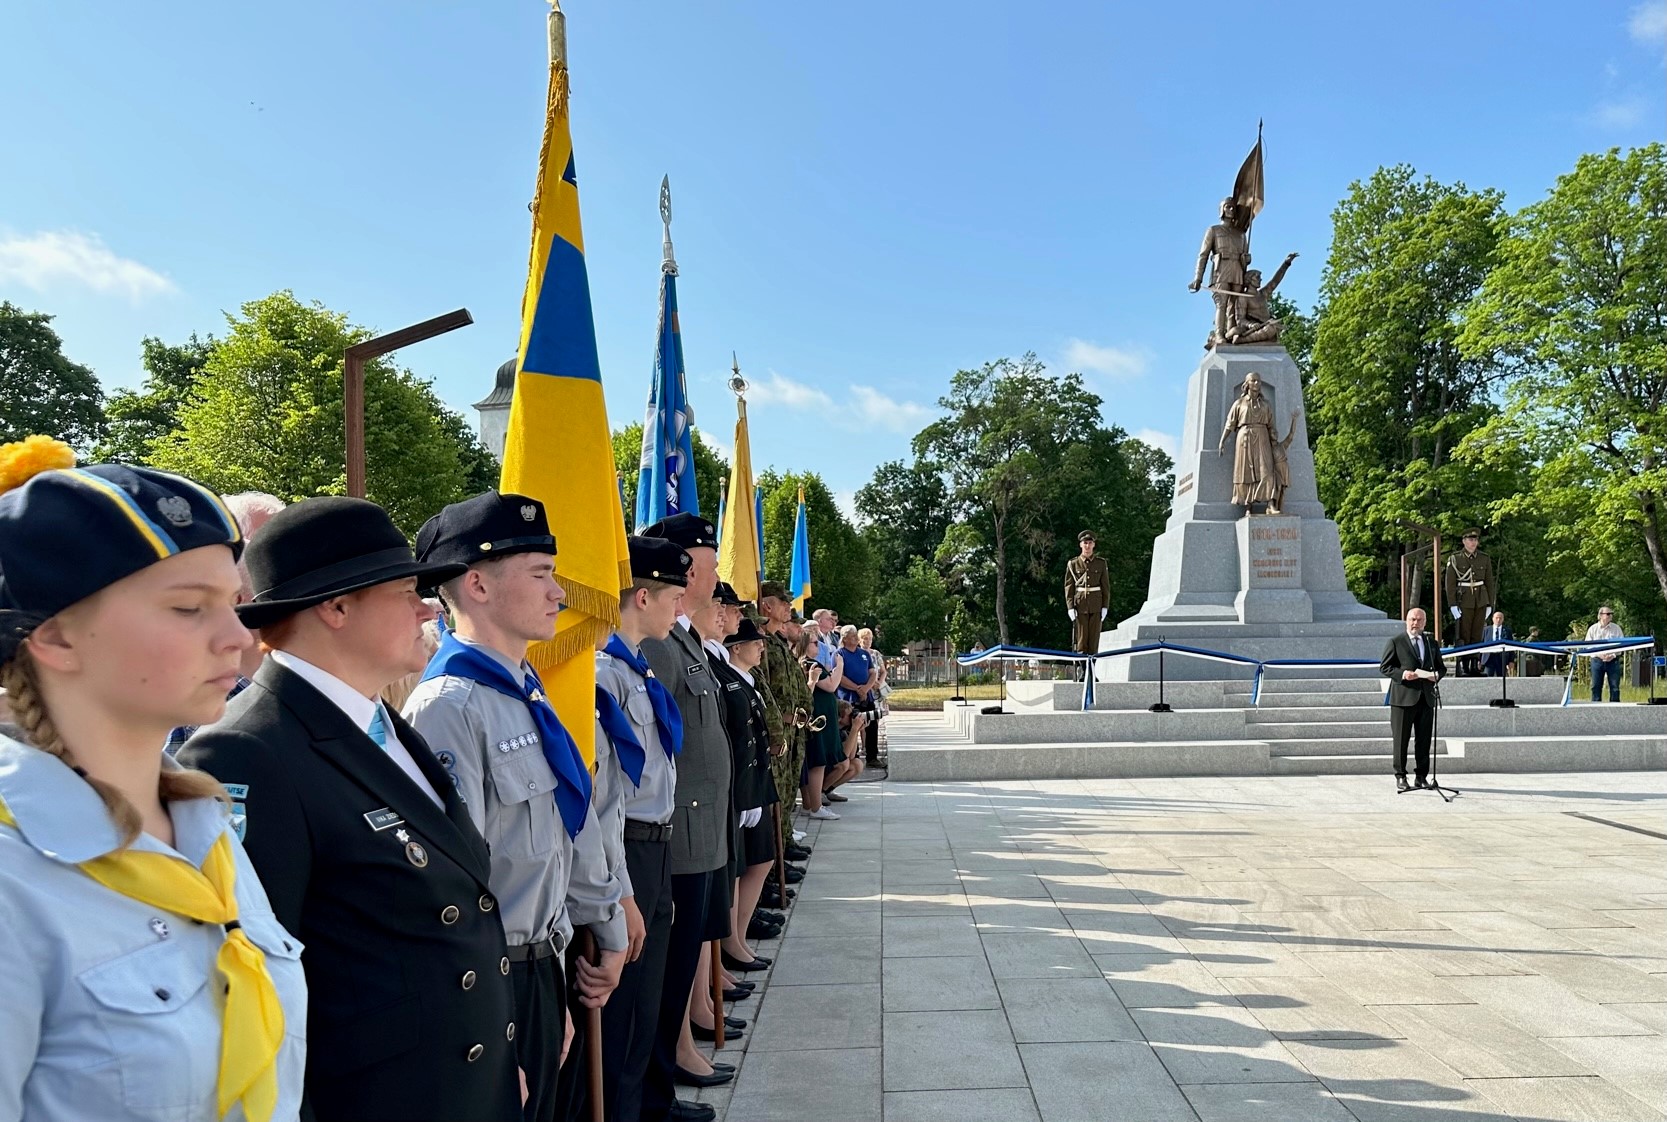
{"type": "Point", "coordinates": [1269, 949]}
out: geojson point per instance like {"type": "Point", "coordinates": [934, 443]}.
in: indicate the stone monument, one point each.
{"type": "Point", "coordinates": [1261, 577]}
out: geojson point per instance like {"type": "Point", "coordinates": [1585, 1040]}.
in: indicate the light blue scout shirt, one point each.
{"type": "Point", "coordinates": [653, 799]}
{"type": "Point", "coordinates": [110, 1008]}
{"type": "Point", "coordinates": [488, 742]}
{"type": "Point", "coordinates": [607, 800]}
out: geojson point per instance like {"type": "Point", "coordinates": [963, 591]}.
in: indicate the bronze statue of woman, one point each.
{"type": "Point", "coordinates": [1255, 475]}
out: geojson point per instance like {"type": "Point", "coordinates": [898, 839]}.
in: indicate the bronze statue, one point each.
{"type": "Point", "coordinates": [1254, 323]}
{"type": "Point", "coordinates": [1255, 473]}
{"type": "Point", "coordinates": [1281, 464]}
{"type": "Point", "coordinates": [1227, 242]}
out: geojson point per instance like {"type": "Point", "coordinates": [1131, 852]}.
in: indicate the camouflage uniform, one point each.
{"type": "Point", "coordinates": [787, 692]}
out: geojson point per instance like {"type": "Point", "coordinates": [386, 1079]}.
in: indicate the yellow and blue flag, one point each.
{"type": "Point", "coordinates": [666, 482]}
{"type": "Point", "coordinates": [740, 553]}
{"type": "Point", "coordinates": [558, 448]}
{"type": "Point", "coordinates": [798, 582]}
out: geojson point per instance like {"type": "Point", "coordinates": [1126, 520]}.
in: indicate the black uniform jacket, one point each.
{"type": "Point", "coordinates": [411, 1007]}
{"type": "Point", "coordinates": [1401, 655]}
{"type": "Point", "coordinates": [743, 710]}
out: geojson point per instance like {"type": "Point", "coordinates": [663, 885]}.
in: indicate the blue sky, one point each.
{"type": "Point", "coordinates": [868, 197]}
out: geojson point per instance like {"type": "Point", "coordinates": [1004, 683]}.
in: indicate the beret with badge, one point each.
{"type": "Point", "coordinates": [773, 589]}
{"type": "Point", "coordinates": [689, 531]}
{"type": "Point", "coordinates": [67, 532]}
{"type": "Point", "coordinates": [483, 527]}
{"type": "Point", "coordinates": [657, 559]}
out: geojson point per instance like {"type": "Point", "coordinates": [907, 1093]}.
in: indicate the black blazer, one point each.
{"type": "Point", "coordinates": [1400, 655]}
{"type": "Point", "coordinates": [751, 784]}
{"type": "Point", "coordinates": [405, 957]}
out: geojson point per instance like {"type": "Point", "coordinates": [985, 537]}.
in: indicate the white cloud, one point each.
{"type": "Point", "coordinates": [1648, 23]}
{"type": "Point", "coordinates": [40, 261]}
{"type": "Point", "coordinates": [779, 390]}
{"type": "Point", "coordinates": [1165, 442]}
{"type": "Point", "coordinates": [716, 445]}
{"type": "Point", "coordinates": [1620, 113]}
{"type": "Point", "coordinates": [846, 501]}
{"type": "Point", "coordinates": [1084, 357]}
{"type": "Point", "coordinates": [873, 408]}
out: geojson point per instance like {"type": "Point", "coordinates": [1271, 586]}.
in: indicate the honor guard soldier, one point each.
{"type": "Point", "coordinates": [482, 709]}
{"type": "Point", "coordinates": [701, 822]}
{"type": "Point", "coordinates": [366, 849]}
{"type": "Point", "coordinates": [636, 781]}
{"type": "Point", "coordinates": [1087, 595]}
{"type": "Point", "coordinates": [1471, 593]}
{"type": "Point", "coordinates": [143, 976]}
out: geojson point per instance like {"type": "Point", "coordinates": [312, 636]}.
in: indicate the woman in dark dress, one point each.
{"type": "Point", "coordinates": [753, 789]}
{"type": "Point", "coordinates": [822, 745]}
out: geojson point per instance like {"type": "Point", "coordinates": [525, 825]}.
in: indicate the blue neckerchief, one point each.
{"type": "Point", "coordinates": [459, 660]}
{"type": "Point", "coordinates": [632, 755]}
{"type": "Point", "coordinates": [666, 715]}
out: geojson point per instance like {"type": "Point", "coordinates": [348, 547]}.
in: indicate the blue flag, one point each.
{"type": "Point", "coordinates": [666, 482]}
{"type": "Point", "coordinates": [758, 520]}
{"type": "Point", "coordinates": [798, 580]}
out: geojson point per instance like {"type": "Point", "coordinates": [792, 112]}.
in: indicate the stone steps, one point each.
{"type": "Point", "coordinates": [1330, 730]}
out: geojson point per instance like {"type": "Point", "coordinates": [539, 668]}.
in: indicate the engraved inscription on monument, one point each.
{"type": "Point", "coordinates": [1274, 559]}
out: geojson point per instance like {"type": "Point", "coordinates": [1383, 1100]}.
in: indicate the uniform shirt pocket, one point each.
{"type": "Point", "coordinates": [162, 1030]}
{"type": "Point", "coordinates": [283, 963]}
{"type": "Point", "coordinates": [524, 785]}
{"type": "Point", "coordinates": [639, 707]}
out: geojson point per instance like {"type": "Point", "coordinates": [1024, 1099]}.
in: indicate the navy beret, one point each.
{"type": "Point", "coordinates": [483, 527]}
{"type": "Point", "coordinates": [660, 560]}
{"type": "Point", "coordinates": [690, 531]}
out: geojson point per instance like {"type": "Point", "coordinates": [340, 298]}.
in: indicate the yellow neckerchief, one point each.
{"type": "Point", "coordinates": [252, 1025]}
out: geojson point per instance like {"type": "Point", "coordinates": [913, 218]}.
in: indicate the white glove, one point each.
{"type": "Point", "coordinates": [1455, 611]}
{"type": "Point", "coordinates": [750, 818]}
{"type": "Point", "coordinates": [1487, 612]}
{"type": "Point", "coordinates": [1103, 612]}
{"type": "Point", "coordinates": [1072, 612]}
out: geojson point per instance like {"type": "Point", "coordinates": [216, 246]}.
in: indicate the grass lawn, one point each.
{"type": "Point", "coordinates": [933, 697]}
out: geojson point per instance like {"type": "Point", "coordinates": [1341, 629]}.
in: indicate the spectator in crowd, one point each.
{"type": "Point", "coordinates": [822, 747]}
{"type": "Point", "coordinates": [860, 683]}
{"type": "Point", "coordinates": [851, 727]}
{"type": "Point", "coordinates": [251, 509]}
{"type": "Point", "coordinates": [117, 587]}
{"type": "Point", "coordinates": [1493, 666]}
{"type": "Point", "coordinates": [1607, 664]}
{"type": "Point", "coordinates": [871, 727]}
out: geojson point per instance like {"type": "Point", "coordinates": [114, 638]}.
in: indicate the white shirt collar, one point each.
{"type": "Point", "coordinates": [746, 676]}
{"type": "Point", "coordinates": [359, 708]}
{"type": "Point", "coordinates": [688, 624]}
{"type": "Point", "coordinates": [716, 648]}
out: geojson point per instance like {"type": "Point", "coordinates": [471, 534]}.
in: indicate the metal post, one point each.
{"type": "Point", "coordinates": [353, 383]}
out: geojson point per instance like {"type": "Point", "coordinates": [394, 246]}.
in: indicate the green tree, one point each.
{"type": "Point", "coordinates": [42, 391]}
{"type": "Point", "coordinates": [481, 469]}
{"type": "Point", "coordinates": [841, 567]}
{"type": "Point", "coordinates": [266, 414]}
{"type": "Point", "coordinates": [1390, 391]}
{"type": "Point", "coordinates": [139, 418]}
{"type": "Point", "coordinates": [915, 607]}
{"type": "Point", "coordinates": [711, 470]}
{"type": "Point", "coordinates": [1578, 308]}
{"type": "Point", "coordinates": [905, 511]}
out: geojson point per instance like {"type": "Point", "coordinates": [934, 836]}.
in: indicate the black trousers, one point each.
{"type": "Point", "coordinates": [633, 1009]}
{"type": "Point", "coordinates": [540, 999]}
{"type": "Point", "coordinates": [1406, 720]}
{"type": "Point", "coordinates": [691, 893]}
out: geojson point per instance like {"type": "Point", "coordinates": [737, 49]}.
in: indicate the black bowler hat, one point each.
{"type": "Point", "coordinates": [486, 526]}
{"type": "Point", "coordinates": [725, 594]}
{"type": "Point", "coordinates": [745, 633]}
{"type": "Point", "coordinates": [660, 560]}
{"type": "Point", "coordinates": [690, 531]}
{"type": "Point", "coordinates": [320, 548]}
{"type": "Point", "coordinates": [68, 532]}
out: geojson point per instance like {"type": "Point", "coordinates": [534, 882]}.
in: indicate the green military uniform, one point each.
{"type": "Point", "coordinates": [1088, 593]}
{"type": "Point", "coordinates": [1470, 587]}
{"type": "Point", "coordinates": [790, 693]}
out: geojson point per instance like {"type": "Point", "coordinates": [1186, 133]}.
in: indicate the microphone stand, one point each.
{"type": "Point", "coordinates": [1435, 726]}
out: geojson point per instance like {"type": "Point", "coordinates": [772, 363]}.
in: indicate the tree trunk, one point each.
{"type": "Point", "coordinates": [1652, 541]}
{"type": "Point", "coordinates": [1001, 578]}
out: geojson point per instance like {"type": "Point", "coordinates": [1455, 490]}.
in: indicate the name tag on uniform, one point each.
{"type": "Point", "coordinates": [384, 819]}
{"type": "Point", "coordinates": [695, 669]}
{"type": "Point", "coordinates": [732, 685]}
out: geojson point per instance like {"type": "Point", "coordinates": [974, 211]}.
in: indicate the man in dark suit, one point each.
{"type": "Point", "coordinates": [366, 851]}
{"type": "Point", "coordinates": [1496, 631]}
{"type": "Point", "coordinates": [700, 824]}
{"type": "Point", "coordinates": [1412, 662]}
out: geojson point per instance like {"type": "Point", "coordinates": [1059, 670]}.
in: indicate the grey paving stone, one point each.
{"type": "Point", "coordinates": [831, 920]}
{"type": "Point", "coordinates": [1376, 913]}
{"type": "Point", "coordinates": [1012, 886]}
{"type": "Point", "coordinates": [1587, 1099]}
{"type": "Point", "coordinates": [929, 937]}
{"type": "Point", "coordinates": [993, 914]}
{"type": "Point", "coordinates": [1650, 1014]}
{"type": "Point", "coordinates": [950, 1051]}
{"type": "Point", "coordinates": [827, 960]}
{"type": "Point", "coordinates": [1064, 1010]}
{"type": "Point", "coordinates": [1542, 1008]}
{"type": "Point", "coordinates": [1309, 1009]}
{"type": "Point", "coordinates": [936, 872]}
{"type": "Point", "coordinates": [1476, 1043]}
{"type": "Point", "coordinates": [1384, 978]}
{"type": "Point", "coordinates": [777, 1086]}
{"type": "Point", "coordinates": [1447, 954]}
{"type": "Point", "coordinates": [1097, 1081]}
{"type": "Point", "coordinates": [925, 984]}
{"type": "Point", "coordinates": [1233, 958]}
{"type": "Point", "coordinates": [1009, 1104]}
{"type": "Point", "coordinates": [1635, 1064]}
{"type": "Point", "coordinates": [1265, 1102]}
{"type": "Point", "coordinates": [1217, 1045]}
{"type": "Point", "coordinates": [924, 900]}
{"type": "Point", "coordinates": [1596, 978]}
{"type": "Point", "coordinates": [1391, 1081]}
{"type": "Point", "coordinates": [843, 887]}
{"type": "Point", "coordinates": [800, 1018]}
{"type": "Point", "coordinates": [1037, 956]}
{"type": "Point", "coordinates": [1144, 981]}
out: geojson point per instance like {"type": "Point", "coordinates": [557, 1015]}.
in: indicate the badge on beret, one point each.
{"type": "Point", "coordinates": [528, 512]}
{"type": "Point", "coordinates": [175, 509]}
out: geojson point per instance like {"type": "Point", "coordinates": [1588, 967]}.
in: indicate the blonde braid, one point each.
{"type": "Point", "coordinates": [18, 679]}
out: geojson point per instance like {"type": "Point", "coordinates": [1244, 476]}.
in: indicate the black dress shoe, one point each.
{"type": "Point", "coordinates": [769, 916]}
{"type": "Point", "coordinates": [1401, 787]}
{"type": "Point", "coordinates": [716, 1066]}
{"type": "Point", "coordinates": [797, 853]}
{"type": "Point", "coordinates": [685, 1078]}
{"type": "Point", "coordinates": [757, 929]}
{"type": "Point", "coordinates": [795, 874]}
{"type": "Point", "coordinates": [682, 1110]}
{"type": "Point", "coordinates": [731, 1037]}
{"type": "Point", "coordinates": [736, 993]}
{"type": "Point", "coordinates": [736, 964]}
{"type": "Point", "coordinates": [734, 1024]}
{"type": "Point", "coordinates": [832, 797]}
{"type": "Point", "coordinates": [772, 899]}
{"type": "Point", "coordinates": [1422, 784]}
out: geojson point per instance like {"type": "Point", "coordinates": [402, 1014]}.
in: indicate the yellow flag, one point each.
{"type": "Point", "coordinates": [738, 559]}
{"type": "Point", "coordinates": [559, 449]}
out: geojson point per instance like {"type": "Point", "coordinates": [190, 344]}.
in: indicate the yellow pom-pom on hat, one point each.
{"type": "Point", "coordinates": [22, 460]}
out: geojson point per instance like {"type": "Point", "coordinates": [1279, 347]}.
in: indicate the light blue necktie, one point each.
{"type": "Point", "coordinates": [378, 731]}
